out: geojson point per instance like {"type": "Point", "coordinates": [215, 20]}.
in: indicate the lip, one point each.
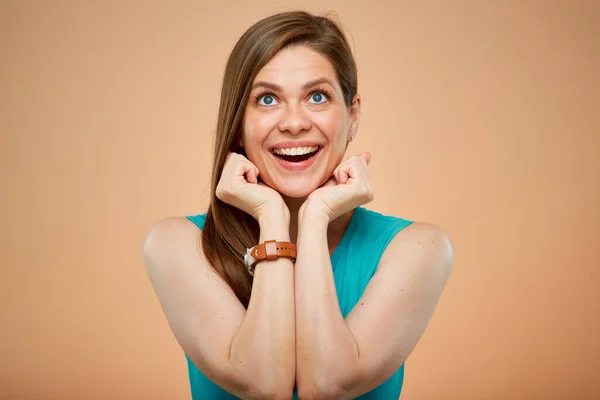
{"type": "Point", "coordinates": [294, 143]}
{"type": "Point", "coordinates": [297, 166]}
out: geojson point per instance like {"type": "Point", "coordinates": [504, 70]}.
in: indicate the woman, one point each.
{"type": "Point", "coordinates": [334, 306]}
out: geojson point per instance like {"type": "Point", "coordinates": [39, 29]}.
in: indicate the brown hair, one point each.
{"type": "Point", "coordinates": [228, 231]}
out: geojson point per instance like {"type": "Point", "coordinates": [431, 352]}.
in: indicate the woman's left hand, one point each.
{"type": "Point", "coordinates": [348, 188]}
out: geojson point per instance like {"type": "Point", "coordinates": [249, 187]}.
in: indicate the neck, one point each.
{"type": "Point", "coordinates": [335, 230]}
{"type": "Point", "coordinates": [293, 204]}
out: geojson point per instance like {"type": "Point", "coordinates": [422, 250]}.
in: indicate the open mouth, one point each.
{"type": "Point", "coordinates": [289, 156]}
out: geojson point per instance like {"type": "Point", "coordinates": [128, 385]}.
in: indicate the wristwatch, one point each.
{"type": "Point", "coordinates": [269, 250]}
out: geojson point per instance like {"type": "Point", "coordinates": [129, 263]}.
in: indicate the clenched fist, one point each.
{"type": "Point", "coordinates": [240, 188]}
{"type": "Point", "coordinates": [348, 188]}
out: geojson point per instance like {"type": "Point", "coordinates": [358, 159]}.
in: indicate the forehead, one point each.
{"type": "Point", "coordinates": [296, 65]}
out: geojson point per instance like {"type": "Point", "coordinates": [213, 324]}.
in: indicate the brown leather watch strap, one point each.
{"type": "Point", "coordinates": [271, 250]}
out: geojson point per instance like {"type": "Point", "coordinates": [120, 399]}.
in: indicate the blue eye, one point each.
{"type": "Point", "coordinates": [318, 98]}
{"type": "Point", "coordinates": [266, 100]}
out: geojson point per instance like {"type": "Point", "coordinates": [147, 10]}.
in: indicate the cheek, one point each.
{"type": "Point", "coordinates": [249, 133]}
{"type": "Point", "coordinates": [333, 127]}
{"type": "Point", "coordinates": [256, 128]}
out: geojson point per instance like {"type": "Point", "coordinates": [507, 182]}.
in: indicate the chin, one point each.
{"type": "Point", "coordinates": [297, 191]}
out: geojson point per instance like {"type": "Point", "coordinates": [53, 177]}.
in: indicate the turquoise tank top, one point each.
{"type": "Point", "coordinates": [368, 234]}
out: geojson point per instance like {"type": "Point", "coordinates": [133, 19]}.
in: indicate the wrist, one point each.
{"type": "Point", "coordinates": [312, 215]}
{"type": "Point", "coordinates": [274, 212]}
{"type": "Point", "coordinates": [274, 226]}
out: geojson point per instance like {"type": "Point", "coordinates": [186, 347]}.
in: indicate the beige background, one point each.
{"type": "Point", "coordinates": [481, 116]}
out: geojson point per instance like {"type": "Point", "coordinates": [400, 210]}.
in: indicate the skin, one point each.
{"type": "Point", "coordinates": [293, 331]}
{"type": "Point", "coordinates": [293, 114]}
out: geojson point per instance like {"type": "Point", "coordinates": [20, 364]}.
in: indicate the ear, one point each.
{"type": "Point", "coordinates": [354, 113]}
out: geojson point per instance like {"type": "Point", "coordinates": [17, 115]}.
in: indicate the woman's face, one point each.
{"type": "Point", "coordinates": [296, 125]}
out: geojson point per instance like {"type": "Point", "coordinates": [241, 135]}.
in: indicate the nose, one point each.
{"type": "Point", "coordinates": [294, 120]}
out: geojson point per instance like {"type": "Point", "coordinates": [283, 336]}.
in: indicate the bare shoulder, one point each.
{"type": "Point", "coordinates": [422, 240]}
{"type": "Point", "coordinates": [201, 309]}
{"type": "Point", "coordinates": [400, 299]}
{"type": "Point", "coordinates": [420, 231]}
{"type": "Point", "coordinates": [172, 241]}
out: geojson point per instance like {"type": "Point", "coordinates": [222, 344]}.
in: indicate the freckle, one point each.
{"type": "Point", "coordinates": [419, 242]}
{"type": "Point", "coordinates": [402, 290]}
{"type": "Point", "coordinates": [413, 310]}
{"type": "Point", "coordinates": [222, 317]}
{"type": "Point", "coordinates": [431, 242]}
{"type": "Point", "coordinates": [362, 304]}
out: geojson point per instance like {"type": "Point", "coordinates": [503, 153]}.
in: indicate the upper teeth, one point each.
{"type": "Point", "coordinates": [295, 151]}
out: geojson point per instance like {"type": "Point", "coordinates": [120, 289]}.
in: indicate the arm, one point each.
{"type": "Point", "coordinates": [343, 359]}
{"type": "Point", "coordinates": [250, 353]}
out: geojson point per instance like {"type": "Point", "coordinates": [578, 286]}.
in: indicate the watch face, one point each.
{"type": "Point", "coordinates": [248, 259]}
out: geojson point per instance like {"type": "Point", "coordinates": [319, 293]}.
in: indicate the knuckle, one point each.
{"type": "Point", "coordinates": [371, 195]}
{"type": "Point", "coordinates": [368, 193]}
{"type": "Point", "coordinates": [223, 193]}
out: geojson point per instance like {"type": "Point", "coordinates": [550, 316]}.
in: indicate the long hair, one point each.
{"type": "Point", "coordinates": [228, 231]}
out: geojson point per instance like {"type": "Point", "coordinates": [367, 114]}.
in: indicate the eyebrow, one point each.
{"type": "Point", "coordinates": [278, 88]}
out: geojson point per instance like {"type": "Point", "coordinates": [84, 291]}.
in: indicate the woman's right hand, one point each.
{"type": "Point", "coordinates": [240, 188]}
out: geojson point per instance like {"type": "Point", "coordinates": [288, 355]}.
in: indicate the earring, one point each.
{"type": "Point", "coordinates": [352, 138]}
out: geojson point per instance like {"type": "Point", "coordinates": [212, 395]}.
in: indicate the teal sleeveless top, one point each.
{"type": "Point", "coordinates": [368, 235]}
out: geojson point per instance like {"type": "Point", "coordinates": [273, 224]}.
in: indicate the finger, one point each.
{"type": "Point", "coordinates": [366, 156]}
{"type": "Point", "coordinates": [343, 173]}
{"type": "Point", "coordinates": [250, 172]}
{"type": "Point", "coordinates": [230, 161]}
{"type": "Point", "coordinates": [252, 175]}
{"type": "Point", "coordinates": [329, 182]}
{"type": "Point", "coordinates": [355, 169]}
{"type": "Point", "coordinates": [230, 154]}
{"type": "Point", "coordinates": [245, 169]}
